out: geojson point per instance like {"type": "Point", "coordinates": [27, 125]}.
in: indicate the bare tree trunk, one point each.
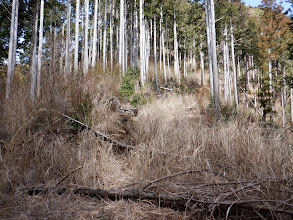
{"type": "Point", "coordinates": [76, 37]}
{"type": "Point", "coordinates": [12, 47]}
{"type": "Point", "coordinates": [40, 48]}
{"type": "Point", "coordinates": [161, 32]}
{"type": "Point", "coordinates": [234, 66]}
{"type": "Point", "coordinates": [155, 53]}
{"type": "Point", "coordinates": [201, 54]}
{"type": "Point", "coordinates": [164, 59]}
{"type": "Point", "coordinates": [33, 67]}
{"type": "Point", "coordinates": [94, 54]}
{"type": "Point", "coordinates": [208, 21]}
{"type": "Point", "coordinates": [135, 40]}
{"type": "Point", "coordinates": [291, 103]}
{"type": "Point", "coordinates": [121, 37]}
{"type": "Point", "coordinates": [67, 66]}
{"type": "Point", "coordinates": [176, 58]}
{"type": "Point", "coordinates": [62, 49]}
{"type": "Point", "coordinates": [105, 37]}
{"type": "Point", "coordinates": [214, 56]}
{"type": "Point", "coordinates": [284, 98]}
{"type": "Point", "coordinates": [142, 33]}
{"type": "Point", "coordinates": [86, 52]}
{"type": "Point", "coordinates": [111, 32]}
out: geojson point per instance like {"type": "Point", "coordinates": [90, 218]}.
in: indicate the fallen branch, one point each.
{"type": "Point", "coordinates": [101, 135]}
{"type": "Point", "coordinates": [166, 88]}
{"type": "Point", "coordinates": [63, 178]}
{"type": "Point", "coordinates": [177, 200]}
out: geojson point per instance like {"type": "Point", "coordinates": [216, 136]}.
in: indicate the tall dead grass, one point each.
{"type": "Point", "coordinates": [173, 132]}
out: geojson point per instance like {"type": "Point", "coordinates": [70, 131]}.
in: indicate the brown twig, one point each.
{"type": "Point", "coordinates": [63, 178]}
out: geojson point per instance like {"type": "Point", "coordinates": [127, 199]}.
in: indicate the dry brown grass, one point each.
{"type": "Point", "coordinates": [173, 132]}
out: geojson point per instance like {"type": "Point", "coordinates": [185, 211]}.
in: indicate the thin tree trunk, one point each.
{"type": "Point", "coordinates": [291, 104]}
{"type": "Point", "coordinates": [76, 37]}
{"type": "Point", "coordinates": [141, 19]}
{"type": "Point", "coordinates": [67, 67]}
{"type": "Point", "coordinates": [33, 67]}
{"type": "Point", "coordinates": [135, 43]}
{"type": "Point", "coordinates": [105, 37]}
{"type": "Point", "coordinates": [12, 47]}
{"type": "Point", "coordinates": [201, 54]}
{"type": "Point", "coordinates": [86, 52]}
{"type": "Point", "coordinates": [164, 60]}
{"type": "Point", "coordinates": [121, 41]}
{"type": "Point", "coordinates": [94, 55]}
{"type": "Point", "coordinates": [111, 32]}
{"type": "Point", "coordinates": [207, 11]}
{"type": "Point", "coordinates": [234, 66]}
{"type": "Point", "coordinates": [155, 53]}
{"type": "Point", "coordinates": [214, 56]}
{"type": "Point", "coordinates": [62, 49]}
{"type": "Point", "coordinates": [40, 48]}
{"type": "Point", "coordinates": [161, 41]}
{"type": "Point", "coordinates": [176, 58]}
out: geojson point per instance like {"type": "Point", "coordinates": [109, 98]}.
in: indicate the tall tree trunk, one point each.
{"type": "Point", "coordinates": [176, 58]}
{"type": "Point", "coordinates": [121, 37]}
{"type": "Point", "coordinates": [67, 65]}
{"type": "Point", "coordinates": [214, 56]}
{"type": "Point", "coordinates": [111, 32]}
{"type": "Point", "coordinates": [86, 45]}
{"type": "Point", "coordinates": [201, 54]}
{"type": "Point", "coordinates": [155, 53]}
{"type": "Point", "coordinates": [33, 67]}
{"type": "Point", "coordinates": [76, 37]}
{"type": "Point", "coordinates": [40, 48]}
{"type": "Point", "coordinates": [142, 33]}
{"type": "Point", "coordinates": [234, 65]}
{"type": "Point", "coordinates": [284, 98]}
{"type": "Point", "coordinates": [135, 37]}
{"type": "Point", "coordinates": [209, 44]}
{"type": "Point", "coordinates": [12, 47]}
{"type": "Point", "coordinates": [291, 103]}
{"type": "Point", "coordinates": [94, 54]}
{"type": "Point", "coordinates": [62, 49]}
{"type": "Point", "coordinates": [105, 38]}
{"type": "Point", "coordinates": [164, 59]}
{"type": "Point", "coordinates": [161, 41]}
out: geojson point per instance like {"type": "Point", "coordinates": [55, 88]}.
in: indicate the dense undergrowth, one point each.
{"type": "Point", "coordinates": [173, 131]}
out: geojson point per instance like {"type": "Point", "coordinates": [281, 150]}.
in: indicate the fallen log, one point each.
{"type": "Point", "coordinates": [102, 136]}
{"type": "Point", "coordinates": [180, 202]}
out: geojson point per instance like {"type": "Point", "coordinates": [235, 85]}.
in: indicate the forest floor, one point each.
{"type": "Point", "coordinates": [180, 162]}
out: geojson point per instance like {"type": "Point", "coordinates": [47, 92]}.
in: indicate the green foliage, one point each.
{"type": "Point", "coordinates": [228, 112]}
{"type": "Point", "coordinates": [138, 100]}
{"type": "Point", "coordinates": [128, 82]}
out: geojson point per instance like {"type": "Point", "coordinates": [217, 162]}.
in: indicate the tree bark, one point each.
{"type": "Point", "coordinates": [176, 58]}
{"type": "Point", "coordinates": [234, 66]}
{"type": "Point", "coordinates": [33, 67]}
{"type": "Point", "coordinates": [76, 37]}
{"type": "Point", "coordinates": [12, 47]}
{"type": "Point", "coordinates": [86, 52]}
{"type": "Point", "coordinates": [155, 53]}
{"type": "Point", "coordinates": [67, 65]}
{"type": "Point", "coordinates": [105, 38]}
{"type": "Point", "coordinates": [142, 33]}
{"type": "Point", "coordinates": [40, 48]}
